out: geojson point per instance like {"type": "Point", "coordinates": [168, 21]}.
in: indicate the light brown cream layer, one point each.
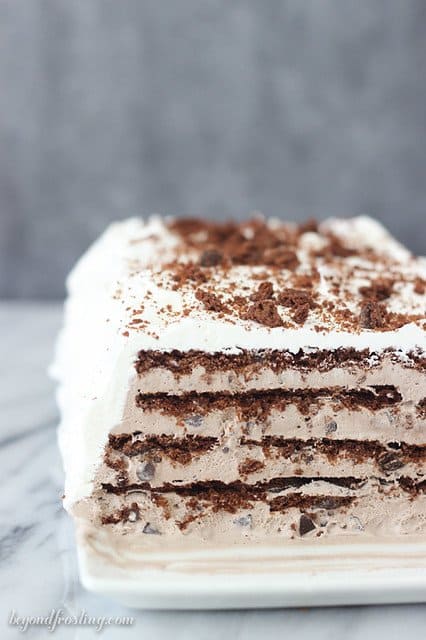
{"type": "Point", "coordinates": [400, 422]}
{"type": "Point", "coordinates": [410, 381]}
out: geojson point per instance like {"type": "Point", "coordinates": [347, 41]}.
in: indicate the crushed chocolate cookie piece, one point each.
{"type": "Point", "coordinates": [373, 315]}
{"type": "Point", "coordinates": [303, 281]}
{"type": "Point", "coordinates": [264, 312]}
{"type": "Point", "coordinates": [294, 298]}
{"type": "Point", "coordinates": [210, 301]}
{"type": "Point", "coordinates": [305, 525]}
{"type": "Point", "coordinates": [282, 258]}
{"type": "Point", "coordinates": [301, 313]}
{"type": "Point", "coordinates": [265, 291]}
{"type": "Point", "coordinates": [380, 289]}
{"type": "Point", "coordinates": [336, 248]}
{"type": "Point", "coordinates": [210, 258]}
{"type": "Point", "coordinates": [420, 286]}
{"type": "Point", "coordinates": [247, 252]}
{"type": "Point", "coordinates": [182, 272]}
{"type": "Point", "coordinates": [299, 301]}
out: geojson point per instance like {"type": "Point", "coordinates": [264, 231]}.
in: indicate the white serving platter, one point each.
{"type": "Point", "coordinates": [303, 574]}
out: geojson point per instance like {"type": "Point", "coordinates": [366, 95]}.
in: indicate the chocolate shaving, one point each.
{"type": "Point", "coordinates": [305, 525]}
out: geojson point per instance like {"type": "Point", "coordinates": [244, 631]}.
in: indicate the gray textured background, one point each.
{"type": "Point", "coordinates": [112, 108]}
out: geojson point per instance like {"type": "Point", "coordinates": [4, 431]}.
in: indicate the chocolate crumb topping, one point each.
{"type": "Point", "coordinates": [265, 291]}
{"type": "Point", "coordinates": [210, 301]}
{"type": "Point", "coordinates": [264, 312]}
{"type": "Point", "coordinates": [301, 313]}
{"type": "Point", "coordinates": [373, 315]}
{"type": "Point", "coordinates": [228, 258]}
{"type": "Point", "coordinates": [210, 258]}
{"type": "Point", "coordinates": [184, 272]}
{"type": "Point", "coordinates": [281, 257]}
{"type": "Point", "coordinates": [379, 289]}
{"type": "Point", "coordinates": [295, 298]}
{"type": "Point", "coordinates": [299, 301]}
{"type": "Point", "coordinates": [420, 286]}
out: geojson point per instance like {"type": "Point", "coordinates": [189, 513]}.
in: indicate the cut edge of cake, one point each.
{"type": "Point", "coordinates": [171, 325]}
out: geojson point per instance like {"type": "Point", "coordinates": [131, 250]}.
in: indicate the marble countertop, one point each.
{"type": "Point", "coordinates": [37, 559]}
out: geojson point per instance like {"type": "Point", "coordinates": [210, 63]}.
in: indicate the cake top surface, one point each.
{"type": "Point", "coordinates": [257, 278]}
